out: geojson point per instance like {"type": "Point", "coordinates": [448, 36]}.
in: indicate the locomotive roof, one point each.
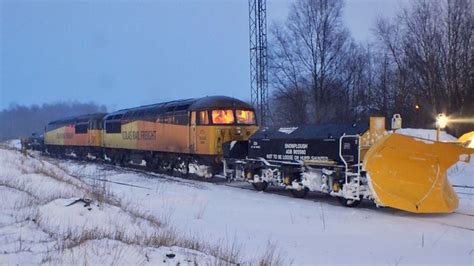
{"type": "Point", "coordinates": [218, 102]}
{"type": "Point", "coordinates": [78, 118]}
{"type": "Point", "coordinates": [208, 102]}
{"type": "Point", "coordinates": [319, 131]}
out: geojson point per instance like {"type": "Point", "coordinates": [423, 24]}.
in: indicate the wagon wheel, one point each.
{"type": "Point", "coordinates": [181, 168]}
{"type": "Point", "coordinates": [348, 202]}
{"type": "Point", "coordinates": [301, 193]}
{"type": "Point", "coordinates": [260, 186]}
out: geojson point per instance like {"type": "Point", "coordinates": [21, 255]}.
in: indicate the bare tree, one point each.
{"type": "Point", "coordinates": [421, 64]}
{"type": "Point", "coordinates": [289, 100]}
{"type": "Point", "coordinates": [459, 59]}
{"type": "Point", "coordinates": [308, 53]}
{"type": "Point", "coordinates": [291, 106]}
{"type": "Point", "coordinates": [430, 44]}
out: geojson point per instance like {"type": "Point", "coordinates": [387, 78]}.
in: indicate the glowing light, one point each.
{"type": "Point", "coordinates": [468, 120]}
{"type": "Point", "coordinates": [222, 117]}
{"type": "Point", "coordinates": [442, 121]}
{"type": "Point", "coordinates": [245, 117]}
{"type": "Point", "coordinates": [417, 107]}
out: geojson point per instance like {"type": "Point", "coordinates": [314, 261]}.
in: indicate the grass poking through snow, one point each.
{"type": "Point", "coordinates": [41, 190]}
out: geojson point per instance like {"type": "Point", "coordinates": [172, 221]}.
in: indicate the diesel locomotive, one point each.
{"type": "Point", "coordinates": [185, 135]}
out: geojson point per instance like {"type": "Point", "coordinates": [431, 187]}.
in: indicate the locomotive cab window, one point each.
{"type": "Point", "coordinates": [113, 124]}
{"type": "Point", "coordinates": [113, 127]}
{"type": "Point", "coordinates": [245, 117]}
{"type": "Point", "coordinates": [81, 128]}
{"type": "Point", "coordinates": [203, 118]}
{"type": "Point", "coordinates": [222, 117]}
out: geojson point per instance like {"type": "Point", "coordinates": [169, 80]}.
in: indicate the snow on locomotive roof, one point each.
{"type": "Point", "coordinates": [321, 131]}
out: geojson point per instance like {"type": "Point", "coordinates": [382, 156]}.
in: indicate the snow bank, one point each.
{"type": "Point", "coordinates": [111, 252]}
{"type": "Point", "coordinates": [38, 223]}
{"type": "Point", "coordinates": [14, 144]}
{"type": "Point", "coordinates": [426, 134]}
{"type": "Point", "coordinates": [58, 217]}
{"type": "Point", "coordinates": [305, 232]}
{"type": "Point", "coordinates": [40, 179]}
{"type": "Point", "coordinates": [462, 174]}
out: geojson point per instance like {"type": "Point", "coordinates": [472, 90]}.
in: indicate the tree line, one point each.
{"type": "Point", "coordinates": [21, 121]}
{"type": "Point", "coordinates": [419, 64]}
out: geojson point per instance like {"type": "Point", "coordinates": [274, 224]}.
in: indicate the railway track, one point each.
{"type": "Point", "coordinates": [464, 190]}
{"type": "Point", "coordinates": [463, 186]}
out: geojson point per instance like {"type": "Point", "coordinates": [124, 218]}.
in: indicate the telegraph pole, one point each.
{"type": "Point", "coordinates": [258, 58]}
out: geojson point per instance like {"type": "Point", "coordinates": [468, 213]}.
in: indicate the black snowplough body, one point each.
{"type": "Point", "coordinates": [302, 143]}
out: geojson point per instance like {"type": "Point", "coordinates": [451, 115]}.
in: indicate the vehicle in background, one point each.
{"type": "Point", "coordinates": [34, 142]}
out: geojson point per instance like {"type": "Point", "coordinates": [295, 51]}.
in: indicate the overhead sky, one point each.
{"type": "Point", "coordinates": [128, 53]}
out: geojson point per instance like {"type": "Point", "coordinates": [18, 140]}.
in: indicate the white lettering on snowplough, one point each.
{"type": "Point", "coordinates": [296, 149]}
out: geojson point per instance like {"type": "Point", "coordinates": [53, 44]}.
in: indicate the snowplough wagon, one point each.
{"type": "Point", "coordinates": [351, 162]}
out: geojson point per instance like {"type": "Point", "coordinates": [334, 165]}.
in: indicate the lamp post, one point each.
{"type": "Point", "coordinates": [441, 122]}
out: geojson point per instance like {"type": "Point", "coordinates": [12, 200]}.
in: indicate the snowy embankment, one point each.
{"type": "Point", "coordinates": [251, 224]}
{"type": "Point", "coordinates": [426, 134]}
{"type": "Point", "coordinates": [307, 232]}
{"type": "Point", "coordinates": [40, 223]}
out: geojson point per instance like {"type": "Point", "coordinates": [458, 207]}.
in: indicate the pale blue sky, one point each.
{"type": "Point", "coordinates": [129, 53]}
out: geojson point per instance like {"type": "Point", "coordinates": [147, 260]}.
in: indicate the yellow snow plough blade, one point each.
{"type": "Point", "coordinates": [410, 174]}
{"type": "Point", "coordinates": [468, 139]}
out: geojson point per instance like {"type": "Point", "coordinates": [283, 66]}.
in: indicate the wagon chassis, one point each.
{"type": "Point", "coordinates": [346, 181]}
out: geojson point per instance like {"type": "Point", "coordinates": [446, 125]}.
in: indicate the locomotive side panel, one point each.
{"type": "Point", "coordinates": [82, 134]}
{"type": "Point", "coordinates": [59, 135]}
{"type": "Point", "coordinates": [95, 137]}
{"type": "Point", "coordinates": [149, 136]}
{"type": "Point", "coordinates": [139, 135]}
{"type": "Point", "coordinates": [67, 136]}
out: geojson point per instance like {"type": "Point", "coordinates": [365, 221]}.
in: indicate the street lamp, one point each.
{"type": "Point", "coordinates": [441, 123]}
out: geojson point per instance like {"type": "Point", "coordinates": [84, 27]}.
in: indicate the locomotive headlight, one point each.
{"type": "Point", "coordinates": [441, 121]}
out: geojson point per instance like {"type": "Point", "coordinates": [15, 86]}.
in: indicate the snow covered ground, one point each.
{"type": "Point", "coordinates": [252, 225]}
{"type": "Point", "coordinates": [426, 134]}
{"type": "Point", "coordinates": [40, 224]}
